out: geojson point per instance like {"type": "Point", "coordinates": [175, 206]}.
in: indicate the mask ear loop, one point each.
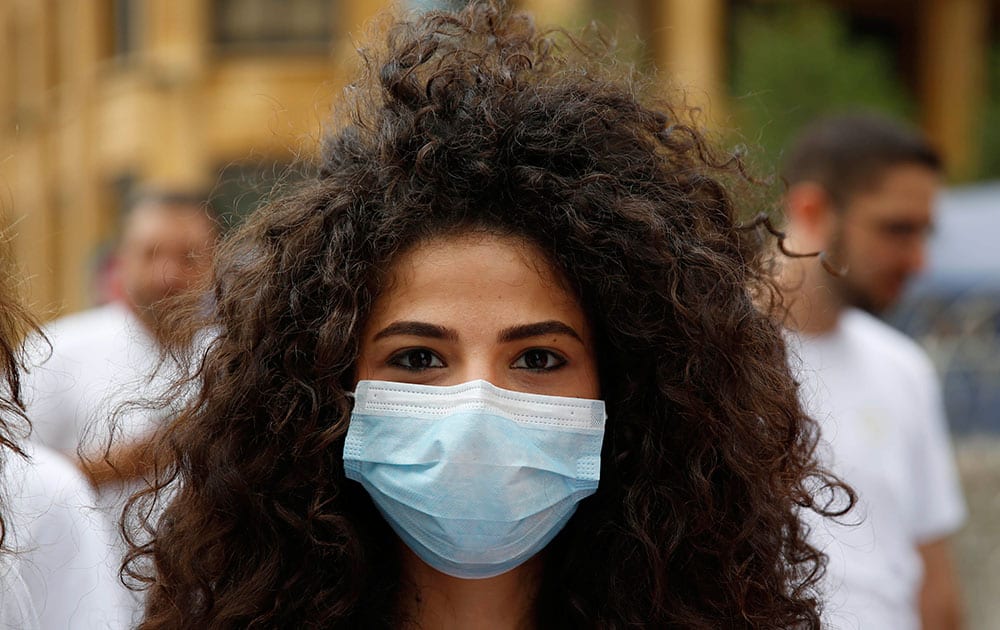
{"type": "Point", "coordinates": [763, 220]}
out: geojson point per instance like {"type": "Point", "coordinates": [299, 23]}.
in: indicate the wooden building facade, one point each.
{"type": "Point", "coordinates": [95, 94]}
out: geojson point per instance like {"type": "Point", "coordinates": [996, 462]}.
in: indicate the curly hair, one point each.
{"type": "Point", "coordinates": [15, 324]}
{"type": "Point", "coordinates": [477, 121]}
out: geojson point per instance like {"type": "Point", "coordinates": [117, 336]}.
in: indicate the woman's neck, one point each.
{"type": "Point", "coordinates": [431, 599]}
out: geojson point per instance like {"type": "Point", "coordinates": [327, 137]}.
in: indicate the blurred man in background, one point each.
{"type": "Point", "coordinates": [861, 190]}
{"type": "Point", "coordinates": [109, 355]}
{"type": "Point", "coordinates": [94, 363]}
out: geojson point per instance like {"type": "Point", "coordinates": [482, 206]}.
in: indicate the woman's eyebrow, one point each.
{"type": "Point", "coordinates": [525, 331]}
{"type": "Point", "coordinates": [417, 329]}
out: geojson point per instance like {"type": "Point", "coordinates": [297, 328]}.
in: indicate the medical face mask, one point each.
{"type": "Point", "coordinates": [473, 478]}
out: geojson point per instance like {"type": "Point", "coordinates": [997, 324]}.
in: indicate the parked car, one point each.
{"type": "Point", "coordinates": [953, 308]}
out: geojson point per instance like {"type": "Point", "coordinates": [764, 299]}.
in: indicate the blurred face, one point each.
{"type": "Point", "coordinates": [164, 250]}
{"type": "Point", "coordinates": [881, 236]}
{"type": "Point", "coordinates": [478, 306]}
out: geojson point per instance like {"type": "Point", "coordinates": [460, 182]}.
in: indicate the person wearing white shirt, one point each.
{"type": "Point", "coordinates": [59, 547]}
{"type": "Point", "coordinates": [94, 361]}
{"type": "Point", "coordinates": [861, 190]}
{"type": "Point", "coordinates": [54, 567]}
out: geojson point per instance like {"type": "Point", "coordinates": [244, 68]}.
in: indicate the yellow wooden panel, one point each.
{"type": "Point", "coordinates": [952, 74]}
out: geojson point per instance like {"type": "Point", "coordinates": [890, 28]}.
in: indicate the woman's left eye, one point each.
{"type": "Point", "coordinates": [416, 359]}
{"type": "Point", "coordinates": [538, 359]}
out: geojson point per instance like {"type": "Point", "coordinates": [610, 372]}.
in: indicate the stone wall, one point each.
{"type": "Point", "coordinates": [977, 545]}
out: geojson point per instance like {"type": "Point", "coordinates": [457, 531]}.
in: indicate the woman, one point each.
{"type": "Point", "coordinates": [401, 422]}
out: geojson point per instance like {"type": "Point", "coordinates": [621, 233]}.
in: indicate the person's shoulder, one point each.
{"type": "Point", "coordinates": [63, 540]}
{"type": "Point", "coordinates": [881, 340]}
{"type": "Point", "coordinates": [92, 330]}
{"type": "Point", "coordinates": [45, 478]}
{"type": "Point", "coordinates": [49, 502]}
{"type": "Point", "coordinates": [108, 316]}
{"type": "Point", "coordinates": [17, 609]}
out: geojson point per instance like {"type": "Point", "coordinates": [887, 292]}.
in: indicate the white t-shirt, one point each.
{"type": "Point", "coordinates": [16, 610]}
{"type": "Point", "coordinates": [877, 400]}
{"type": "Point", "coordinates": [59, 567]}
{"type": "Point", "coordinates": [99, 359]}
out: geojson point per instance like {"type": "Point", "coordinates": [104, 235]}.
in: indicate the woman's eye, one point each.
{"type": "Point", "coordinates": [416, 359]}
{"type": "Point", "coordinates": [538, 359]}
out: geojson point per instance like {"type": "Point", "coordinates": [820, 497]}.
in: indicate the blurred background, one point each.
{"type": "Point", "coordinates": [100, 96]}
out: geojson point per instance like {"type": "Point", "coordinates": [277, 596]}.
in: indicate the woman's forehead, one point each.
{"type": "Point", "coordinates": [463, 275]}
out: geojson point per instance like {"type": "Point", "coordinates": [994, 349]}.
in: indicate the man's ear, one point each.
{"type": "Point", "coordinates": [811, 213]}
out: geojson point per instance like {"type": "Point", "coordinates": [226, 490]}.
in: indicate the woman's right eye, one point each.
{"type": "Point", "coordinates": [416, 359]}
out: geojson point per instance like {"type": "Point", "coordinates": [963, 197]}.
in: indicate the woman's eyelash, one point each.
{"type": "Point", "coordinates": [539, 360]}
{"type": "Point", "coordinates": [416, 359]}
{"type": "Point", "coordinates": [534, 359]}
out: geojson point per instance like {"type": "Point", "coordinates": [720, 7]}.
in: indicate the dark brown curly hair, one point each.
{"type": "Point", "coordinates": [476, 121]}
{"type": "Point", "coordinates": [15, 324]}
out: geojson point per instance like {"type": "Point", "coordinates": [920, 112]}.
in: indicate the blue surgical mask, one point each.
{"type": "Point", "coordinates": [473, 478]}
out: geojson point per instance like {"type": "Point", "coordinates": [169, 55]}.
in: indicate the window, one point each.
{"type": "Point", "coordinates": [272, 25]}
{"type": "Point", "coordinates": [242, 187]}
{"type": "Point", "coordinates": [436, 5]}
{"type": "Point", "coordinates": [126, 27]}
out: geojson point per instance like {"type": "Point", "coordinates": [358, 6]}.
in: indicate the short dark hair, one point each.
{"type": "Point", "coordinates": [167, 196]}
{"type": "Point", "coordinates": [848, 153]}
{"type": "Point", "coordinates": [170, 197]}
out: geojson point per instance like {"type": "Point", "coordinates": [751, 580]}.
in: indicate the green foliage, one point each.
{"type": "Point", "coordinates": [794, 61]}
{"type": "Point", "coordinates": [241, 188]}
{"type": "Point", "coordinates": [989, 163]}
